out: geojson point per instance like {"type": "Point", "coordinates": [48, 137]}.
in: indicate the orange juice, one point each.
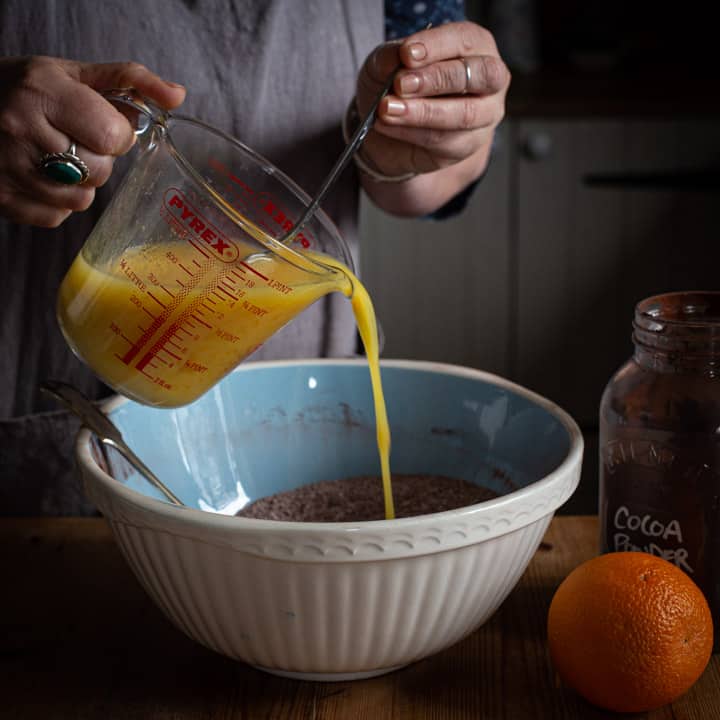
{"type": "Point", "coordinates": [164, 341]}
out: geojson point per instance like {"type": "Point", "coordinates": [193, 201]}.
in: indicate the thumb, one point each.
{"type": "Point", "coordinates": [107, 76]}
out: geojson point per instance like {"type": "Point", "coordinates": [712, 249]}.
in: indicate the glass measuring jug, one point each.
{"type": "Point", "coordinates": [183, 276]}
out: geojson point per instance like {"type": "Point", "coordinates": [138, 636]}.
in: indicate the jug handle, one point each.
{"type": "Point", "coordinates": [142, 115]}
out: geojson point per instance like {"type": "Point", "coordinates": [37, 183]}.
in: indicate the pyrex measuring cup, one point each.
{"type": "Point", "coordinates": [183, 275]}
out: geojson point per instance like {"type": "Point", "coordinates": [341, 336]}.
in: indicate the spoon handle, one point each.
{"type": "Point", "coordinates": [340, 164]}
{"type": "Point", "coordinates": [105, 430]}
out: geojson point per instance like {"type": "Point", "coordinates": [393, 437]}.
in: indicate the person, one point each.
{"type": "Point", "coordinates": [277, 75]}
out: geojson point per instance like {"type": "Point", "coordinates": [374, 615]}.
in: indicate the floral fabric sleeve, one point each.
{"type": "Point", "coordinates": [404, 17]}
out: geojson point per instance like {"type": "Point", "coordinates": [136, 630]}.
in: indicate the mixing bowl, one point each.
{"type": "Point", "coordinates": [333, 601]}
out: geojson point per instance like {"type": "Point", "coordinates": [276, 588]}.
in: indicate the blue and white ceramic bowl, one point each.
{"type": "Point", "coordinates": [334, 600]}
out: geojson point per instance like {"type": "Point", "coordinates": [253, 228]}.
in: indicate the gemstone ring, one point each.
{"type": "Point", "coordinates": [66, 168]}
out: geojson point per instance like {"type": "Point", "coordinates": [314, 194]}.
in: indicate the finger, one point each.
{"type": "Point", "coordinates": [466, 112]}
{"type": "Point", "coordinates": [107, 76]}
{"type": "Point", "coordinates": [383, 61]}
{"type": "Point", "coordinates": [43, 139]}
{"type": "Point", "coordinates": [25, 179]}
{"type": "Point", "coordinates": [82, 114]}
{"type": "Point", "coordinates": [70, 198]}
{"type": "Point", "coordinates": [449, 145]}
{"type": "Point", "coordinates": [100, 167]}
{"type": "Point", "coordinates": [444, 42]}
{"type": "Point", "coordinates": [374, 74]}
{"type": "Point", "coordinates": [24, 210]}
{"type": "Point", "coordinates": [101, 127]}
{"type": "Point", "coordinates": [478, 75]}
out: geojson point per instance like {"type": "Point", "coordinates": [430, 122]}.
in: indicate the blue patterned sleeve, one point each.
{"type": "Point", "coordinates": [404, 17]}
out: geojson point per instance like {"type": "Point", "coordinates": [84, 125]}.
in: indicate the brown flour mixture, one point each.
{"type": "Point", "coordinates": [360, 499]}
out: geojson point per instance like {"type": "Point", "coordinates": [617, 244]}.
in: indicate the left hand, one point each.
{"type": "Point", "coordinates": [447, 99]}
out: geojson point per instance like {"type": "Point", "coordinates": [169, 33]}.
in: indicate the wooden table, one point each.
{"type": "Point", "coordinates": [79, 639]}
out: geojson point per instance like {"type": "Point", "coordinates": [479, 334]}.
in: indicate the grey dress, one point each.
{"type": "Point", "coordinates": [275, 74]}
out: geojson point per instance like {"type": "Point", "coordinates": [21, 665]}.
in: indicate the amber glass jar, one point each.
{"type": "Point", "coordinates": [660, 440]}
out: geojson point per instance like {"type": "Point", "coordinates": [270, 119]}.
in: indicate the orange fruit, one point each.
{"type": "Point", "coordinates": [629, 631]}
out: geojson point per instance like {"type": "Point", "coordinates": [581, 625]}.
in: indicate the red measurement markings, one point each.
{"type": "Point", "coordinates": [182, 267]}
{"type": "Point", "coordinates": [157, 380]}
{"type": "Point", "coordinates": [254, 309]}
{"type": "Point", "coordinates": [194, 271]}
{"type": "Point", "coordinates": [253, 270]}
{"type": "Point", "coordinates": [174, 344]}
{"type": "Point", "coordinates": [161, 344]}
{"type": "Point", "coordinates": [144, 362]}
{"type": "Point", "coordinates": [202, 322]}
{"type": "Point", "coordinates": [235, 272]}
{"type": "Point", "coordinates": [200, 250]}
{"type": "Point", "coordinates": [229, 280]}
{"type": "Point", "coordinates": [230, 295]}
{"type": "Point", "coordinates": [210, 300]}
{"type": "Point", "coordinates": [161, 304]}
{"type": "Point", "coordinates": [280, 287]}
{"type": "Point", "coordinates": [118, 331]}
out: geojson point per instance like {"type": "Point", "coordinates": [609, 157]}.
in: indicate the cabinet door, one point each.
{"type": "Point", "coordinates": [442, 289]}
{"type": "Point", "coordinates": [608, 212]}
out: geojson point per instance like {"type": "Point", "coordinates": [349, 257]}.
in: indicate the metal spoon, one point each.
{"type": "Point", "coordinates": [342, 161]}
{"type": "Point", "coordinates": [105, 430]}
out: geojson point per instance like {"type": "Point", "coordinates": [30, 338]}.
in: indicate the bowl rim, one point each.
{"type": "Point", "coordinates": [202, 519]}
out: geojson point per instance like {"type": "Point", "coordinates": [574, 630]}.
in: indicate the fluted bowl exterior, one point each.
{"type": "Point", "coordinates": [340, 600]}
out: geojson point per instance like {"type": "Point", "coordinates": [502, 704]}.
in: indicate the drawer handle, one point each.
{"type": "Point", "coordinates": [685, 180]}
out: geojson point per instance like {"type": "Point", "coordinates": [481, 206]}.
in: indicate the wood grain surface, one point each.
{"type": "Point", "coordinates": [79, 639]}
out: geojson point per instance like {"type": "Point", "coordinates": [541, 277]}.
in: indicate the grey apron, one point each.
{"type": "Point", "coordinates": [277, 75]}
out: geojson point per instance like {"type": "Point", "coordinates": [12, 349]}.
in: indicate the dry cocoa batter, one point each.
{"type": "Point", "coordinates": [361, 499]}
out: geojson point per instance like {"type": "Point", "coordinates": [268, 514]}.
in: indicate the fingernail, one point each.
{"type": "Point", "coordinates": [174, 85]}
{"type": "Point", "coordinates": [396, 107]}
{"type": "Point", "coordinates": [409, 83]}
{"type": "Point", "coordinates": [417, 51]}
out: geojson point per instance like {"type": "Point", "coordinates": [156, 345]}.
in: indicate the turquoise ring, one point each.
{"type": "Point", "coordinates": [65, 168]}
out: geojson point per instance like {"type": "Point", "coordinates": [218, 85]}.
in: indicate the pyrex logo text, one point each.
{"type": "Point", "coordinates": [271, 208]}
{"type": "Point", "coordinates": [183, 217]}
{"type": "Point", "coordinates": [245, 196]}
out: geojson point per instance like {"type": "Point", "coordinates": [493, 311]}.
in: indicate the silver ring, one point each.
{"type": "Point", "coordinates": [65, 168]}
{"type": "Point", "coordinates": [468, 76]}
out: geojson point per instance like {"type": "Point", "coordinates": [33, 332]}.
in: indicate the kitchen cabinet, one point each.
{"type": "Point", "coordinates": [441, 288]}
{"type": "Point", "coordinates": [577, 220]}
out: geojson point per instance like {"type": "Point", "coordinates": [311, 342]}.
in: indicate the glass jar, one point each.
{"type": "Point", "coordinates": [660, 440]}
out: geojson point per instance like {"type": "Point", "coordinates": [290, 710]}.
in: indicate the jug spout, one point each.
{"type": "Point", "coordinates": [346, 280]}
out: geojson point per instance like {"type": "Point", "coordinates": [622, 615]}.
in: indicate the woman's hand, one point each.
{"type": "Point", "coordinates": [48, 103]}
{"type": "Point", "coordinates": [447, 99]}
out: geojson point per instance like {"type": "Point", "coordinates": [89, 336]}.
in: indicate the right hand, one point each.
{"type": "Point", "coordinates": [47, 103]}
